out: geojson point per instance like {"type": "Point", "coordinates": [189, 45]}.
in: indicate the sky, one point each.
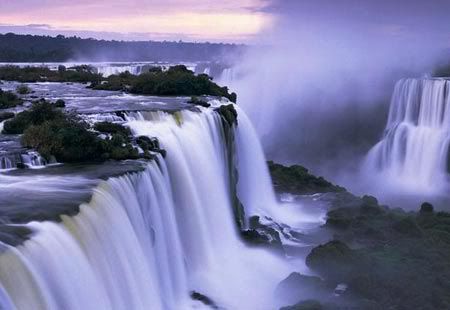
{"type": "Point", "coordinates": [191, 20]}
{"type": "Point", "coordinates": [224, 20]}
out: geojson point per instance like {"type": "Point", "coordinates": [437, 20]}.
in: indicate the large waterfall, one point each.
{"type": "Point", "coordinates": [415, 147]}
{"type": "Point", "coordinates": [147, 240]}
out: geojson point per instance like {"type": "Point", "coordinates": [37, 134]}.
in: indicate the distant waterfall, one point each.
{"type": "Point", "coordinates": [148, 239]}
{"type": "Point", "coordinates": [415, 145]}
{"type": "Point", "coordinates": [227, 77]}
{"type": "Point", "coordinates": [107, 70]}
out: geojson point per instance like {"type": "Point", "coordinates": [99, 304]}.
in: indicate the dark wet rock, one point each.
{"type": "Point", "coordinates": [197, 101]}
{"type": "Point", "coordinates": [148, 145]}
{"type": "Point", "coordinates": [112, 128]}
{"type": "Point", "coordinates": [14, 234]}
{"type": "Point", "coordinates": [204, 299]}
{"type": "Point", "coordinates": [335, 259]}
{"type": "Point", "coordinates": [21, 165]}
{"type": "Point", "coordinates": [6, 115]}
{"type": "Point", "coordinates": [60, 103]}
{"type": "Point", "coordinates": [262, 235]}
{"type": "Point", "coordinates": [296, 285]}
{"type": "Point", "coordinates": [228, 113]}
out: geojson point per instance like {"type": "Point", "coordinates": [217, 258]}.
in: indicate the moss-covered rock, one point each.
{"type": "Point", "coordinates": [335, 259]}
{"type": "Point", "coordinates": [296, 285]}
{"type": "Point", "coordinates": [197, 101]}
{"type": "Point", "coordinates": [297, 180]}
{"type": "Point", "coordinates": [228, 113]}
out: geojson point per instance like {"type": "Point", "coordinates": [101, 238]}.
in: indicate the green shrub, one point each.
{"type": "Point", "coordinates": [67, 140]}
{"type": "Point", "coordinates": [23, 89]}
{"type": "Point", "coordinates": [9, 100]}
{"type": "Point", "coordinates": [60, 103]}
{"type": "Point", "coordinates": [176, 81]}
{"type": "Point", "coordinates": [40, 112]}
{"type": "Point", "coordinates": [112, 128]}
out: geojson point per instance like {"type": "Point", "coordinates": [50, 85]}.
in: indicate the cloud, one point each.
{"type": "Point", "coordinates": [200, 19]}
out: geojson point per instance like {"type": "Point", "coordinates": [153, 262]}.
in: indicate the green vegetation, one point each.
{"type": "Point", "coordinates": [34, 48]}
{"type": "Point", "coordinates": [9, 99]}
{"type": "Point", "coordinates": [23, 89]}
{"type": "Point", "coordinates": [53, 132]}
{"type": "Point", "coordinates": [80, 74]}
{"type": "Point", "coordinates": [112, 128]}
{"type": "Point", "coordinates": [177, 81]}
{"type": "Point", "coordinates": [67, 139]}
{"type": "Point", "coordinates": [389, 258]}
{"type": "Point", "coordinates": [40, 112]}
{"type": "Point", "coordinates": [297, 180]}
{"type": "Point", "coordinates": [388, 249]}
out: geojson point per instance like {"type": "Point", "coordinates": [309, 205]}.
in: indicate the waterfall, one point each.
{"type": "Point", "coordinates": [148, 239]}
{"type": "Point", "coordinates": [227, 77]}
{"type": "Point", "coordinates": [26, 159]}
{"type": "Point", "coordinates": [415, 147]}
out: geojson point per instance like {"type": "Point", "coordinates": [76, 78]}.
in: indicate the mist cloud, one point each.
{"type": "Point", "coordinates": [319, 89]}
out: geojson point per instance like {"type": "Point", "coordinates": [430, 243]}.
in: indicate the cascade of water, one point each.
{"type": "Point", "coordinates": [415, 146]}
{"type": "Point", "coordinates": [30, 159]}
{"type": "Point", "coordinates": [107, 70]}
{"type": "Point", "coordinates": [147, 239]}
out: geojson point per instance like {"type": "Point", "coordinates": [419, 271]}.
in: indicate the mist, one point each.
{"type": "Point", "coordinates": [318, 87]}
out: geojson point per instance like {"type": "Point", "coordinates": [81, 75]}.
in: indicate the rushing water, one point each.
{"type": "Point", "coordinates": [146, 240]}
{"type": "Point", "coordinates": [414, 150]}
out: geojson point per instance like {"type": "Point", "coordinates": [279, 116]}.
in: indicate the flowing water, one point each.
{"type": "Point", "coordinates": [148, 239]}
{"type": "Point", "coordinates": [414, 150]}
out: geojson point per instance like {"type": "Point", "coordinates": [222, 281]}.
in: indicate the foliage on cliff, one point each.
{"type": "Point", "coordinates": [298, 180]}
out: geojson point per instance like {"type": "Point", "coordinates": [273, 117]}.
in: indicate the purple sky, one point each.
{"type": "Point", "coordinates": [226, 20]}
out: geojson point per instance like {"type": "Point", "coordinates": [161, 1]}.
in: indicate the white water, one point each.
{"type": "Point", "coordinates": [31, 159]}
{"type": "Point", "coordinates": [415, 147]}
{"type": "Point", "coordinates": [227, 77]}
{"type": "Point", "coordinates": [107, 68]}
{"type": "Point", "coordinates": [146, 240]}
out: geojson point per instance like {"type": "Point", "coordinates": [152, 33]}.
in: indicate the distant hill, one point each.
{"type": "Point", "coordinates": [33, 48]}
